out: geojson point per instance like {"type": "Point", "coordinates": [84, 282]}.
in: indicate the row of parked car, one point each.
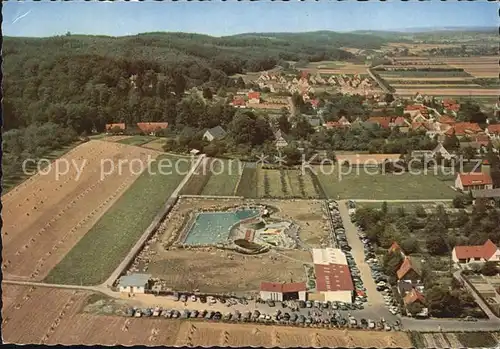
{"type": "Point", "coordinates": [177, 297]}
{"type": "Point", "coordinates": [340, 241]}
{"type": "Point", "coordinates": [377, 273]}
{"type": "Point", "coordinates": [279, 317]}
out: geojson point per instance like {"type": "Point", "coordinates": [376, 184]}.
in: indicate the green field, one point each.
{"type": "Point", "coordinates": [362, 185]}
{"type": "Point", "coordinates": [137, 140]}
{"type": "Point", "coordinates": [102, 249]}
{"type": "Point", "coordinates": [224, 177]}
{"type": "Point", "coordinates": [248, 181]}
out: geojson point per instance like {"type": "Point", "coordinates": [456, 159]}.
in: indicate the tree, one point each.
{"type": "Point", "coordinates": [389, 98]}
{"type": "Point", "coordinates": [436, 245]}
{"type": "Point", "coordinates": [414, 308]}
{"type": "Point", "coordinates": [283, 123]}
{"type": "Point", "coordinates": [392, 262]}
{"type": "Point", "coordinates": [420, 211]}
{"type": "Point", "coordinates": [489, 268]}
{"type": "Point", "coordinates": [207, 93]}
{"type": "Point", "coordinates": [451, 142]}
{"type": "Point", "coordinates": [475, 267]}
{"type": "Point", "coordinates": [384, 208]}
{"type": "Point", "coordinates": [409, 245]}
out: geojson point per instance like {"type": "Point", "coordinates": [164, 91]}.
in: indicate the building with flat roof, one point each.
{"type": "Point", "coordinates": [134, 283]}
{"type": "Point", "coordinates": [325, 256]}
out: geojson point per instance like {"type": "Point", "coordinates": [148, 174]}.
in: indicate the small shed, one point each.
{"type": "Point", "coordinates": [134, 283]}
{"type": "Point", "coordinates": [194, 152]}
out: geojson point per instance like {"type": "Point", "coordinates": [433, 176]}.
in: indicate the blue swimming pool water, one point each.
{"type": "Point", "coordinates": [214, 227]}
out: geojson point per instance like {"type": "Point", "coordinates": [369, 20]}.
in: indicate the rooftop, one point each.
{"type": "Point", "coordinates": [333, 277]}
{"type": "Point", "coordinates": [326, 256]}
{"type": "Point", "coordinates": [134, 280]}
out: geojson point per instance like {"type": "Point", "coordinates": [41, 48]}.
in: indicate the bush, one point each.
{"type": "Point", "coordinates": [489, 269]}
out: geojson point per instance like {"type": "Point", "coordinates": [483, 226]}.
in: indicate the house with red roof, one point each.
{"type": "Point", "coordinates": [239, 102]}
{"type": "Point", "coordinates": [395, 248]}
{"type": "Point", "coordinates": [414, 296]}
{"type": "Point", "coordinates": [476, 254]}
{"type": "Point", "coordinates": [493, 131]}
{"type": "Point", "coordinates": [150, 128]}
{"type": "Point", "coordinates": [314, 103]}
{"type": "Point", "coordinates": [278, 291]}
{"type": "Point", "coordinates": [448, 120]}
{"type": "Point", "coordinates": [115, 128]}
{"type": "Point", "coordinates": [400, 122]}
{"type": "Point", "coordinates": [473, 181]}
{"type": "Point", "coordinates": [464, 129]}
{"type": "Point", "coordinates": [451, 106]}
{"type": "Point", "coordinates": [382, 121]}
{"type": "Point", "coordinates": [415, 110]}
{"type": "Point", "coordinates": [408, 272]}
{"type": "Point", "coordinates": [334, 282]}
{"type": "Point", "coordinates": [253, 97]}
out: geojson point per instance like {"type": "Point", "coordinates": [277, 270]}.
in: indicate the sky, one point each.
{"type": "Point", "coordinates": [41, 19]}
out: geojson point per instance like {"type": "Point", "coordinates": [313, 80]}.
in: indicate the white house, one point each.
{"type": "Point", "coordinates": [280, 141]}
{"type": "Point", "coordinates": [216, 132]}
{"type": "Point", "coordinates": [276, 291]}
{"type": "Point", "coordinates": [476, 254]}
{"type": "Point", "coordinates": [473, 181]}
{"type": "Point", "coordinates": [134, 283]}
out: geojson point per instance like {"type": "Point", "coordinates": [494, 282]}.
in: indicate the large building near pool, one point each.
{"type": "Point", "coordinates": [333, 277]}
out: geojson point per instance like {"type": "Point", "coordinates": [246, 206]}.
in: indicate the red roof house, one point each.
{"type": "Point", "coordinates": [473, 181]}
{"type": "Point", "coordinates": [482, 253]}
{"type": "Point", "coordinates": [414, 296]}
{"type": "Point", "coordinates": [464, 129]}
{"type": "Point", "coordinates": [400, 121]}
{"type": "Point", "coordinates": [254, 97]}
{"type": "Point", "coordinates": [382, 121]}
{"type": "Point", "coordinates": [152, 127]}
{"type": "Point", "coordinates": [394, 247]}
{"type": "Point", "coordinates": [238, 102]}
{"type": "Point", "coordinates": [493, 130]}
{"type": "Point", "coordinates": [315, 103]}
{"type": "Point", "coordinates": [445, 119]}
{"type": "Point", "coordinates": [407, 271]}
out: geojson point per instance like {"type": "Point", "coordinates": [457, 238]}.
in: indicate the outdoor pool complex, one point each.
{"type": "Point", "coordinates": [214, 227]}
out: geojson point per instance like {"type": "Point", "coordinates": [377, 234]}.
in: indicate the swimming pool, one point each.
{"type": "Point", "coordinates": [214, 227]}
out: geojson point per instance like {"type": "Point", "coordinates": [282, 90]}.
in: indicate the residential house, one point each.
{"type": "Point", "coordinates": [399, 122]}
{"type": "Point", "coordinates": [408, 272]}
{"type": "Point", "coordinates": [396, 248]}
{"type": "Point", "coordinates": [280, 292]}
{"type": "Point", "coordinates": [238, 102]}
{"type": "Point", "coordinates": [416, 109]}
{"type": "Point", "coordinates": [382, 121]}
{"type": "Point", "coordinates": [415, 296]}
{"type": "Point", "coordinates": [445, 119]}
{"type": "Point", "coordinates": [280, 139]}
{"type": "Point", "coordinates": [315, 103]}
{"type": "Point", "coordinates": [473, 181]}
{"type": "Point", "coordinates": [344, 122]}
{"type": "Point", "coordinates": [451, 106]}
{"type": "Point", "coordinates": [493, 131]}
{"type": "Point", "coordinates": [150, 128]}
{"type": "Point", "coordinates": [134, 283]}
{"type": "Point", "coordinates": [112, 128]}
{"type": "Point", "coordinates": [253, 97]}
{"type": "Point", "coordinates": [440, 149]}
{"type": "Point", "coordinates": [216, 132]}
{"type": "Point", "coordinates": [476, 254]}
{"type": "Point", "coordinates": [464, 129]}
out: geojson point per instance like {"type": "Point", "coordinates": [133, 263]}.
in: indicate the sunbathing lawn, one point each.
{"type": "Point", "coordinates": [362, 185]}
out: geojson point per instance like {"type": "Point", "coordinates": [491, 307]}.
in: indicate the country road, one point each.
{"type": "Point", "coordinates": [403, 201]}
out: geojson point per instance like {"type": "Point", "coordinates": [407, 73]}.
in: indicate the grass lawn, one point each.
{"type": "Point", "coordinates": [137, 140]}
{"type": "Point", "coordinates": [362, 185]}
{"type": "Point", "coordinates": [224, 177]}
{"type": "Point", "coordinates": [100, 251]}
{"type": "Point", "coordinates": [407, 206]}
{"type": "Point", "coordinates": [11, 181]}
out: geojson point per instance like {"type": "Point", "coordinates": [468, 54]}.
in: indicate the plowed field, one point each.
{"type": "Point", "coordinates": [46, 216]}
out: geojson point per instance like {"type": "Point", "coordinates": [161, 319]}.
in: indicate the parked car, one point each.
{"type": "Point", "coordinates": [183, 298]}
{"type": "Point", "coordinates": [203, 299]}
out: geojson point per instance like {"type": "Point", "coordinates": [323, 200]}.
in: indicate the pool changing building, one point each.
{"type": "Point", "coordinates": [333, 277]}
{"type": "Point", "coordinates": [276, 291]}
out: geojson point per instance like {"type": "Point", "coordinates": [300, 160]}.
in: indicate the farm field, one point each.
{"type": "Point", "coordinates": [111, 237]}
{"type": "Point", "coordinates": [156, 144]}
{"type": "Point", "coordinates": [45, 217]}
{"type": "Point", "coordinates": [337, 67]}
{"type": "Point", "coordinates": [59, 319]}
{"type": "Point", "coordinates": [198, 180]}
{"type": "Point", "coordinates": [224, 176]}
{"type": "Point", "coordinates": [448, 91]}
{"type": "Point", "coordinates": [9, 182]}
{"type": "Point", "coordinates": [236, 335]}
{"type": "Point", "coordinates": [479, 67]}
{"type": "Point", "coordinates": [361, 185]}
{"type": "Point", "coordinates": [391, 78]}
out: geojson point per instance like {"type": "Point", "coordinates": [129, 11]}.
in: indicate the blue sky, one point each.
{"type": "Point", "coordinates": [225, 18]}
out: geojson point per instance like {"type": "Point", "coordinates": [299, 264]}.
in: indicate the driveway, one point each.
{"type": "Point", "coordinates": [374, 297]}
